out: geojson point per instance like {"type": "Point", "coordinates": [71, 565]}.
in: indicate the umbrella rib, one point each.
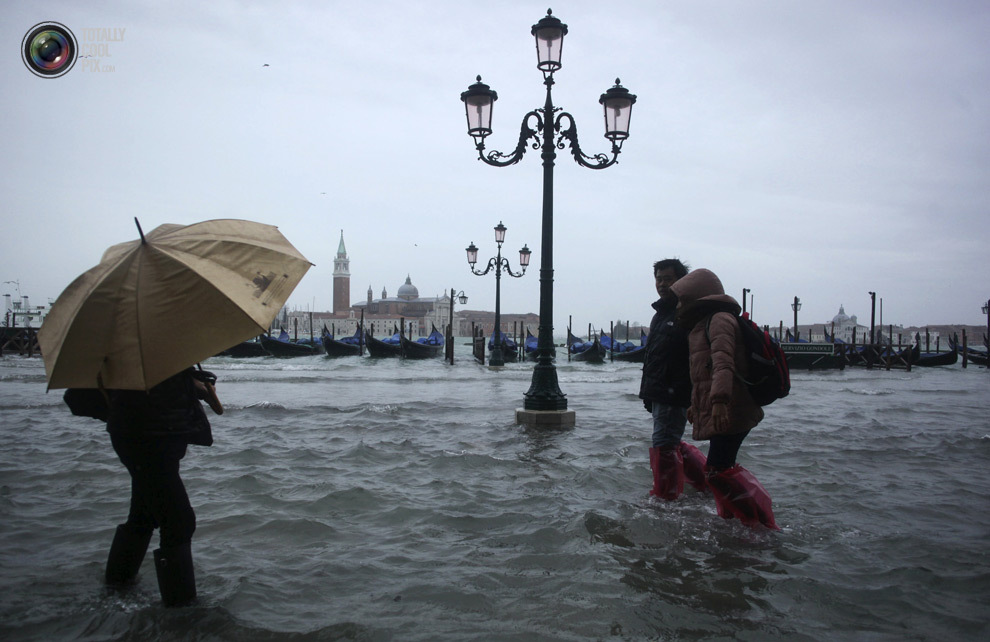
{"type": "Point", "coordinates": [138, 305]}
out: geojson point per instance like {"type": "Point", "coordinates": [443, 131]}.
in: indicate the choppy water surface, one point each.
{"type": "Point", "coordinates": [390, 500]}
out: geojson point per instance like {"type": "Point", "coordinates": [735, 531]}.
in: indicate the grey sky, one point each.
{"type": "Point", "coordinates": [816, 149]}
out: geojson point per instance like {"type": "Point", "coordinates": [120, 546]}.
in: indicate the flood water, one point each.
{"type": "Point", "coordinates": [362, 499]}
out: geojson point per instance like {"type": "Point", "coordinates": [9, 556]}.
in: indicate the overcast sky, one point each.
{"type": "Point", "coordinates": [811, 149]}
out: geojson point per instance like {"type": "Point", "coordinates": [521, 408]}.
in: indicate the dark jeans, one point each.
{"type": "Point", "coordinates": [668, 425]}
{"type": "Point", "coordinates": [158, 498]}
{"type": "Point", "coordinates": [722, 450]}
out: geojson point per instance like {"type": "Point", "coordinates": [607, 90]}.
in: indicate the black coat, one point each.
{"type": "Point", "coordinates": [170, 410]}
{"type": "Point", "coordinates": [666, 377]}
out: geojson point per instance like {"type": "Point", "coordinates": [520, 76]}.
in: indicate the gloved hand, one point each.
{"type": "Point", "coordinates": [648, 405]}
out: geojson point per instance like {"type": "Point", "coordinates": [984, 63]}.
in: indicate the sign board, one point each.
{"type": "Point", "coordinates": [806, 348]}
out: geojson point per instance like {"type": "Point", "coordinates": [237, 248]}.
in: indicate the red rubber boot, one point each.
{"type": "Point", "coordinates": [739, 494]}
{"type": "Point", "coordinates": [694, 466]}
{"type": "Point", "coordinates": [668, 472]}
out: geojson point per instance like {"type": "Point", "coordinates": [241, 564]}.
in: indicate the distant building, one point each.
{"type": "Point", "coordinates": [341, 280]}
{"type": "Point", "coordinates": [380, 315]}
{"type": "Point", "coordinates": [844, 326]}
{"type": "Point", "coordinates": [512, 324]}
{"type": "Point", "coordinates": [18, 313]}
{"type": "Point", "coordinates": [383, 315]}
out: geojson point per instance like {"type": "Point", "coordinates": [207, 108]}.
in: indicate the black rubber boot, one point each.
{"type": "Point", "coordinates": [130, 543]}
{"type": "Point", "coordinates": [176, 580]}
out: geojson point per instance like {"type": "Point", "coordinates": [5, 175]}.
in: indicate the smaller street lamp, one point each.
{"type": "Point", "coordinates": [986, 311]}
{"type": "Point", "coordinates": [462, 299]}
{"type": "Point", "coordinates": [796, 306]}
{"type": "Point", "coordinates": [499, 264]}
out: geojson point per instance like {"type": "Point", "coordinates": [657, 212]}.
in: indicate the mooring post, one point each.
{"type": "Point", "coordinates": [965, 351]}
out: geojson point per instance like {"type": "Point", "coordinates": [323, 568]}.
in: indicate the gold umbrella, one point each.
{"type": "Point", "coordinates": [155, 306]}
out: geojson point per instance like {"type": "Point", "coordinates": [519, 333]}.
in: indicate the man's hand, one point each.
{"type": "Point", "coordinates": [648, 405]}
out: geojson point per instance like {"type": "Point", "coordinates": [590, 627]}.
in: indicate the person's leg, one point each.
{"type": "Point", "coordinates": [737, 492]}
{"type": "Point", "coordinates": [668, 425]}
{"type": "Point", "coordinates": [694, 466]}
{"type": "Point", "coordinates": [723, 449]}
{"type": "Point", "coordinates": [131, 539]}
{"type": "Point", "coordinates": [666, 460]}
{"type": "Point", "coordinates": [164, 497]}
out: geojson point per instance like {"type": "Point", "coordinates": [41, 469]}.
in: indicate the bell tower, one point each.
{"type": "Point", "coordinates": [341, 280]}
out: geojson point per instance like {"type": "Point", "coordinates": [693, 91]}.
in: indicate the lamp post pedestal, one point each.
{"type": "Point", "coordinates": [546, 418]}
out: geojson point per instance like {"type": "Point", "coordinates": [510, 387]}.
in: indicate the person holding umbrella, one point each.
{"type": "Point", "coordinates": [123, 337]}
{"type": "Point", "coordinates": [150, 432]}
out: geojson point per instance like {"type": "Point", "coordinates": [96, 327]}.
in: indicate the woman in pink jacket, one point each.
{"type": "Point", "coordinates": [722, 411]}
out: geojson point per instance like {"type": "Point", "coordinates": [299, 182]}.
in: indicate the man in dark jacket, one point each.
{"type": "Point", "coordinates": [666, 390]}
{"type": "Point", "coordinates": [149, 432]}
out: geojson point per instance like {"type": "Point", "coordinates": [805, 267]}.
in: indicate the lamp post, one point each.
{"type": "Point", "coordinates": [462, 299]}
{"type": "Point", "coordinates": [745, 292]}
{"type": "Point", "coordinates": [796, 306]}
{"type": "Point", "coordinates": [499, 264]}
{"type": "Point", "coordinates": [873, 315]}
{"type": "Point", "coordinates": [544, 393]}
{"type": "Point", "coordinates": [986, 311]}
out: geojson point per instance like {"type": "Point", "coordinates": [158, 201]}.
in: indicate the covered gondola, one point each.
{"type": "Point", "coordinates": [587, 351]}
{"type": "Point", "coordinates": [625, 350]}
{"type": "Point", "coordinates": [510, 349]}
{"type": "Point", "coordinates": [931, 359]}
{"type": "Point", "coordinates": [245, 349]}
{"type": "Point", "coordinates": [424, 347]}
{"type": "Point", "coordinates": [351, 346]}
{"type": "Point", "coordinates": [283, 347]}
{"type": "Point", "coordinates": [387, 347]}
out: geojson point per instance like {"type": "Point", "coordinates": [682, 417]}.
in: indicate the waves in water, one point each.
{"type": "Point", "coordinates": [381, 500]}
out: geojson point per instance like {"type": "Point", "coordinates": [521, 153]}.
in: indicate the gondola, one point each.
{"type": "Point", "coordinates": [814, 361]}
{"type": "Point", "coordinates": [282, 347]}
{"type": "Point", "coordinates": [627, 350]}
{"type": "Point", "coordinates": [529, 346]}
{"type": "Point", "coordinates": [930, 359]}
{"type": "Point", "coordinates": [388, 347]}
{"type": "Point", "coordinates": [587, 351]}
{"type": "Point", "coordinates": [347, 347]}
{"type": "Point", "coordinates": [510, 349]}
{"type": "Point", "coordinates": [246, 349]}
{"type": "Point", "coordinates": [424, 347]}
{"type": "Point", "coordinates": [973, 355]}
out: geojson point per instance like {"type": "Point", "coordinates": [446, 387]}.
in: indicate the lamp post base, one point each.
{"type": "Point", "coordinates": [545, 418]}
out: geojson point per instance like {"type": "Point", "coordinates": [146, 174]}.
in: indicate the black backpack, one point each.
{"type": "Point", "coordinates": [769, 376]}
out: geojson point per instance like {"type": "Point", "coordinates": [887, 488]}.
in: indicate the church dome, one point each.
{"type": "Point", "coordinates": [408, 291]}
{"type": "Point", "coordinates": [841, 318]}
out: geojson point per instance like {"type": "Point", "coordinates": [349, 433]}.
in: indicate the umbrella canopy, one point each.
{"type": "Point", "coordinates": [155, 306]}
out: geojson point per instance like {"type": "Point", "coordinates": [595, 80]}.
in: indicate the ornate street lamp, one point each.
{"type": "Point", "coordinates": [543, 125]}
{"type": "Point", "coordinates": [986, 311]}
{"type": "Point", "coordinates": [796, 306]}
{"type": "Point", "coordinates": [462, 299]}
{"type": "Point", "coordinates": [499, 264]}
